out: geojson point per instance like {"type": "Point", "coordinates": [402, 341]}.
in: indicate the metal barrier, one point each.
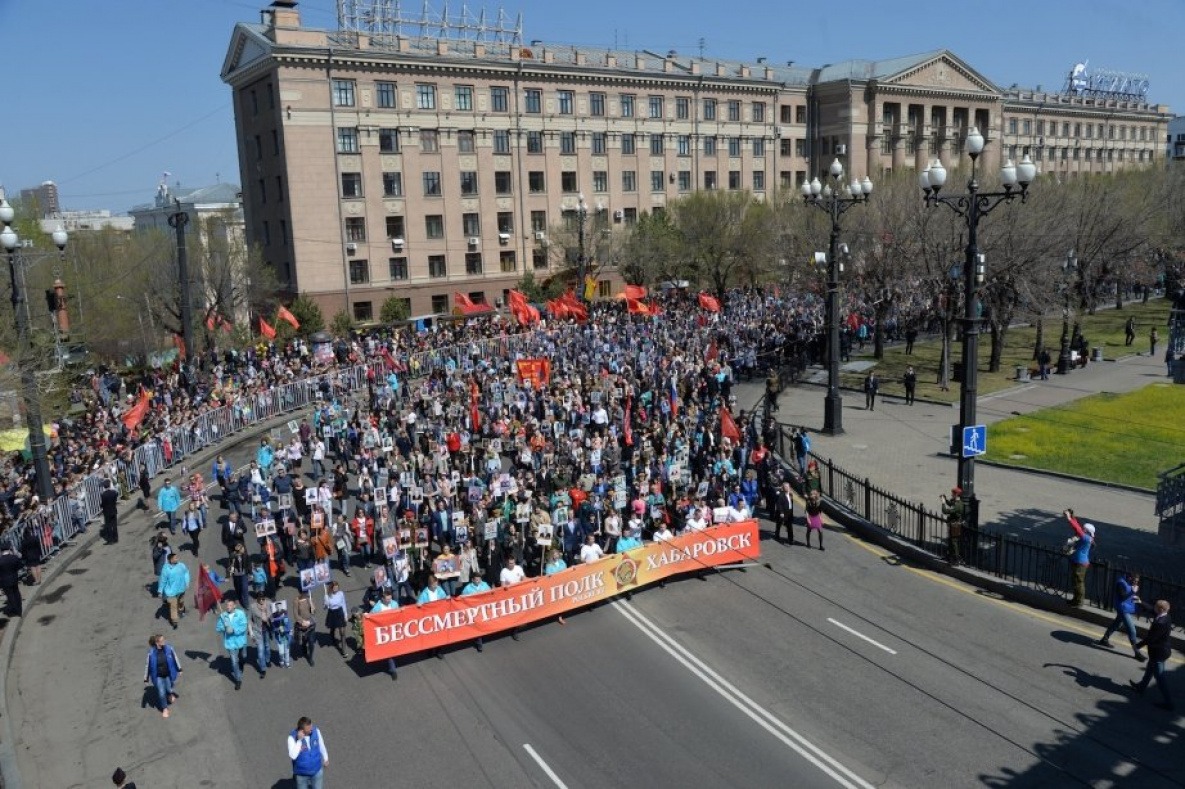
{"type": "Point", "coordinates": [65, 516]}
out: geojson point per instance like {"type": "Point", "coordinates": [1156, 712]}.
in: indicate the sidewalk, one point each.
{"type": "Point", "coordinates": [905, 449]}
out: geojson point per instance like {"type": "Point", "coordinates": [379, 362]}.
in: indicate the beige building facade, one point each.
{"type": "Point", "coordinates": [419, 167]}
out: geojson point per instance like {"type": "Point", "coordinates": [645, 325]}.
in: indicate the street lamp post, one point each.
{"type": "Point", "coordinates": [1069, 266]}
{"type": "Point", "coordinates": [20, 306]}
{"type": "Point", "coordinates": [834, 202]}
{"type": "Point", "coordinates": [972, 207]}
{"type": "Point", "coordinates": [581, 218]}
{"type": "Point", "coordinates": [178, 220]}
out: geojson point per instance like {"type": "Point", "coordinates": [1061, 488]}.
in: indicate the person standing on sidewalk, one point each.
{"type": "Point", "coordinates": [1079, 556]}
{"type": "Point", "coordinates": [162, 670]}
{"type": "Point", "coordinates": [1159, 651]}
{"type": "Point", "coordinates": [1153, 337]}
{"type": "Point", "coordinates": [232, 624]}
{"type": "Point", "coordinates": [168, 499]}
{"type": "Point", "coordinates": [1129, 331]}
{"type": "Point", "coordinates": [910, 379]}
{"type": "Point", "coordinates": [955, 512]}
{"type": "Point", "coordinates": [173, 583]}
{"type": "Point", "coordinates": [1126, 601]}
{"type": "Point", "coordinates": [306, 749]}
{"type": "Point", "coordinates": [871, 386]}
{"type": "Point", "coordinates": [109, 504]}
{"type": "Point", "coordinates": [10, 580]}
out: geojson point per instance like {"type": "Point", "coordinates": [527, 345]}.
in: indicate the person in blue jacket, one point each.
{"type": "Point", "coordinates": [168, 499]}
{"type": "Point", "coordinates": [173, 583]}
{"type": "Point", "coordinates": [264, 456]}
{"type": "Point", "coordinates": [1127, 602]}
{"type": "Point", "coordinates": [162, 670]}
{"type": "Point", "coordinates": [306, 749]}
{"type": "Point", "coordinates": [232, 624]}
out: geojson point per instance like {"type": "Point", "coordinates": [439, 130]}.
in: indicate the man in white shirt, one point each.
{"type": "Point", "coordinates": [663, 533]}
{"type": "Point", "coordinates": [590, 551]}
{"type": "Point", "coordinates": [511, 574]}
{"type": "Point", "coordinates": [696, 520]}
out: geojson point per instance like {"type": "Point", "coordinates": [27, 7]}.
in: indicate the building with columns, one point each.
{"type": "Point", "coordinates": [378, 164]}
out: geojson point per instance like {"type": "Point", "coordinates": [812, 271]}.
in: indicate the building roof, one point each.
{"type": "Point", "coordinates": [220, 193]}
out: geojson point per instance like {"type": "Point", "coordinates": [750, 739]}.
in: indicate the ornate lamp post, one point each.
{"type": "Point", "coordinates": [973, 206]}
{"type": "Point", "coordinates": [581, 218]}
{"type": "Point", "coordinates": [835, 201]}
{"type": "Point", "coordinates": [1069, 266]}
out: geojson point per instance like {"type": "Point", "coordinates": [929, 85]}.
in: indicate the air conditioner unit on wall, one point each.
{"type": "Point", "coordinates": [504, 238]}
{"type": "Point", "coordinates": [397, 244]}
{"type": "Point", "coordinates": [474, 241]}
{"type": "Point", "coordinates": [540, 235]}
{"type": "Point", "coordinates": [351, 248]}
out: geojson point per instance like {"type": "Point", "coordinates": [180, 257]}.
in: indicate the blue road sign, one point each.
{"type": "Point", "coordinates": [974, 440]}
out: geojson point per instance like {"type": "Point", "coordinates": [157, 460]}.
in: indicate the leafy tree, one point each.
{"type": "Point", "coordinates": [652, 250]}
{"type": "Point", "coordinates": [394, 310]}
{"type": "Point", "coordinates": [341, 324]}
{"type": "Point", "coordinates": [537, 291]}
{"type": "Point", "coordinates": [308, 314]}
{"type": "Point", "coordinates": [722, 230]}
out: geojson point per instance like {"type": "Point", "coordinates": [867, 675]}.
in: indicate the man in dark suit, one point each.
{"type": "Point", "coordinates": [871, 386]}
{"type": "Point", "coordinates": [109, 504]}
{"type": "Point", "coordinates": [10, 580]}
{"type": "Point", "coordinates": [784, 513]}
{"type": "Point", "coordinates": [1160, 650]}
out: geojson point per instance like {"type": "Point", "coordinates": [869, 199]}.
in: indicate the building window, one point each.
{"type": "Point", "coordinates": [656, 146]}
{"type": "Point", "coordinates": [734, 146]}
{"type": "Point", "coordinates": [709, 179]}
{"type": "Point", "coordinates": [534, 142]}
{"type": "Point", "coordinates": [440, 303]}
{"type": "Point", "coordinates": [759, 112]}
{"type": "Point", "coordinates": [657, 178]}
{"type": "Point", "coordinates": [507, 262]}
{"type": "Point", "coordinates": [363, 310]}
{"type": "Point", "coordinates": [565, 102]}
{"type": "Point", "coordinates": [500, 99]}
{"type": "Point", "coordinates": [568, 181]}
{"type": "Point", "coordinates": [351, 184]}
{"type": "Point", "coordinates": [388, 141]}
{"type": "Point", "coordinates": [600, 180]}
{"type": "Point", "coordinates": [355, 228]}
{"type": "Point", "coordinates": [627, 105]}
{"type": "Point", "coordinates": [685, 180]}
{"type": "Point", "coordinates": [800, 114]}
{"type": "Point", "coordinates": [786, 113]}
{"type": "Point", "coordinates": [343, 92]}
{"type": "Point", "coordinates": [759, 146]}
{"type": "Point", "coordinates": [1012, 125]}
{"type": "Point", "coordinates": [279, 188]}
{"type": "Point", "coordinates": [429, 141]}
{"type": "Point", "coordinates": [394, 226]}
{"type": "Point", "coordinates": [536, 183]}
{"type": "Point", "coordinates": [432, 183]}
{"type": "Point", "coordinates": [392, 184]}
{"type": "Point", "coordinates": [628, 145]}
{"type": "Point", "coordinates": [359, 272]}
{"type": "Point", "coordinates": [425, 97]}
{"type": "Point", "coordinates": [758, 180]}
{"type": "Point", "coordinates": [465, 141]}
{"type": "Point", "coordinates": [682, 108]}
{"type": "Point", "coordinates": [539, 258]}
{"type": "Point", "coordinates": [656, 106]}
{"type": "Point", "coordinates": [734, 179]}
{"type": "Point", "coordinates": [470, 225]}
{"type": "Point", "coordinates": [434, 226]}
{"type": "Point", "coordinates": [262, 191]}
{"type": "Point", "coordinates": [533, 101]}
{"type": "Point", "coordinates": [1027, 127]}
{"type": "Point", "coordinates": [267, 234]}
{"type": "Point", "coordinates": [347, 140]}
{"type": "Point", "coordinates": [538, 221]}
{"type": "Point", "coordinates": [276, 142]}
{"type": "Point", "coordinates": [598, 143]}
{"type": "Point", "coordinates": [629, 181]}
{"type": "Point", "coordinates": [437, 267]}
{"type": "Point", "coordinates": [283, 232]}
{"type": "Point", "coordinates": [384, 93]}
{"type": "Point", "coordinates": [502, 182]}
{"type": "Point", "coordinates": [468, 182]}
{"type": "Point", "coordinates": [631, 216]}
{"type": "Point", "coordinates": [709, 109]}
{"type": "Point", "coordinates": [709, 146]}
{"type": "Point", "coordinates": [596, 104]}
{"type": "Point", "coordinates": [506, 222]}
{"type": "Point", "coordinates": [734, 110]}
{"type": "Point", "coordinates": [463, 96]}
{"type": "Point", "coordinates": [259, 145]}
{"type": "Point", "coordinates": [568, 143]}
{"type": "Point", "coordinates": [473, 264]}
{"type": "Point", "coordinates": [502, 141]}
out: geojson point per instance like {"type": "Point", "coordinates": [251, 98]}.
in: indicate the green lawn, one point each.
{"type": "Point", "coordinates": [1104, 328]}
{"type": "Point", "coordinates": [1125, 438]}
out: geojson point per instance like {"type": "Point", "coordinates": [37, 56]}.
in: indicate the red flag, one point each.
{"type": "Point", "coordinates": [713, 352]}
{"type": "Point", "coordinates": [709, 303]}
{"type": "Point", "coordinates": [179, 341]}
{"type": "Point", "coordinates": [635, 307]}
{"type": "Point", "coordinates": [635, 292]}
{"type": "Point", "coordinates": [284, 315]}
{"type": "Point", "coordinates": [474, 411]}
{"type": "Point", "coordinates": [224, 324]}
{"type": "Point", "coordinates": [728, 425]}
{"type": "Point", "coordinates": [210, 321]}
{"type": "Point", "coordinates": [266, 330]}
{"type": "Point", "coordinates": [207, 596]}
{"type": "Point", "coordinates": [628, 431]}
{"type": "Point", "coordinates": [573, 306]}
{"type": "Point", "coordinates": [135, 414]}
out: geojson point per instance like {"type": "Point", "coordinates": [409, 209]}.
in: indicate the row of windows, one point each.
{"type": "Point", "coordinates": [438, 267]}
{"type": "Point", "coordinates": [344, 92]}
{"type": "Point", "coordinates": [1082, 130]}
{"type": "Point", "coordinates": [432, 183]}
{"type": "Point", "coordinates": [1066, 153]}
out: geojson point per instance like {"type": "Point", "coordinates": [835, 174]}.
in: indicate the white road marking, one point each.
{"type": "Point", "coordinates": [761, 716]}
{"type": "Point", "coordinates": [861, 635]}
{"type": "Point", "coordinates": [1009, 392]}
{"type": "Point", "coordinates": [555, 779]}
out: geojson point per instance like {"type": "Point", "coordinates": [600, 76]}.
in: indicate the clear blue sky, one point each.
{"type": "Point", "coordinates": [103, 97]}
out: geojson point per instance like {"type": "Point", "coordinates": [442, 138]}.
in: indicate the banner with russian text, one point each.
{"type": "Point", "coordinates": [536, 372]}
{"type": "Point", "coordinates": [419, 627]}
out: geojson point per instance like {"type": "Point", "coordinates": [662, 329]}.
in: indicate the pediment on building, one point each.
{"type": "Point", "coordinates": [944, 71]}
{"type": "Point", "coordinates": [246, 47]}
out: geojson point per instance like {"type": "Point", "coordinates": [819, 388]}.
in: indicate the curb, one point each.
{"type": "Point", "coordinates": [10, 777]}
{"type": "Point", "coordinates": [1068, 477]}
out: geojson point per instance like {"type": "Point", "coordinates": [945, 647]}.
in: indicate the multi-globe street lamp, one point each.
{"type": "Point", "coordinates": [973, 206]}
{"type": "Point", "coordinates": [834, 198]}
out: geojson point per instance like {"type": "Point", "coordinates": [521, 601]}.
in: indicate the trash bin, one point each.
{"type": "Point", "coordinates": [1097, 354]}
{"type": "Point", "coordinates": [1022, 373]}
{"type": "Point", "coordinates": [956, 372]}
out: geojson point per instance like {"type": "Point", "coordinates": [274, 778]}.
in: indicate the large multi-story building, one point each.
{"type": "Point", "coordinates": [46, 199]}
{"type": "Point", "coordinates": [1176, 139]}
{"type": "Point", "coordinates": [378, 163]}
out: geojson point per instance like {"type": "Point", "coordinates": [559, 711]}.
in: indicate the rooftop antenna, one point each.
{"type": "Point", "coordinates": [385, 20]}
{"type": "Point", "coordinates": [702, 42]}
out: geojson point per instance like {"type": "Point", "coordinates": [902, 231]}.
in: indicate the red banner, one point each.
{"type": "Point", "coordinates": [535, 371]}
{"type": "Point", "coordinates": [416, 628]}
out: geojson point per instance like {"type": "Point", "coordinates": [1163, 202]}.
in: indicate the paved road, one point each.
{"type": "Point", "coordinates": [904, 449]}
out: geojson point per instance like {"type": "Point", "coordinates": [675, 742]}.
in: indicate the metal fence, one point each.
{"type": "Point", "coordinates": [1025, 563]}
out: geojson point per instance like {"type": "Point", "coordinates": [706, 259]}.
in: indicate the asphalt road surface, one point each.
{"type": "Point", "coordinates": [829, 668]}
